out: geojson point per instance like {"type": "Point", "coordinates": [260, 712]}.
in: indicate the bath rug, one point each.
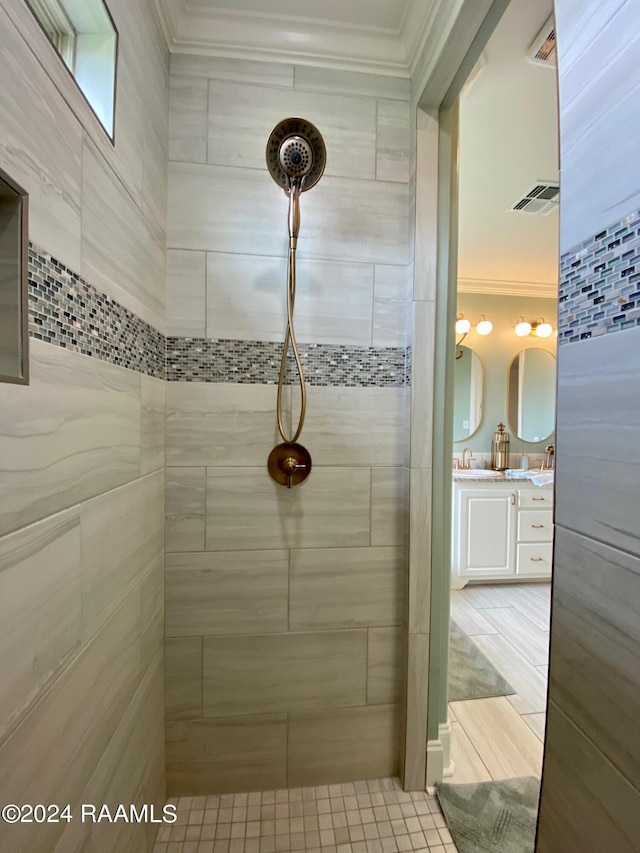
{"type": "Point", "coordinates": [492, 817]}
{"type": "Point", "coordinates": [471, 674]}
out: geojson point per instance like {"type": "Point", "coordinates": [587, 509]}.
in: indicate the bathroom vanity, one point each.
{"type": "Point", "coordinates": [502, 530]}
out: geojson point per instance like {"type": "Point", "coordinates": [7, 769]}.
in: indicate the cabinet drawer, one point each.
{"type": "Point", "coordinates": [535, 525]}
{"type": "Point", "coordinates": [538, 499]}
{"type": "Point", "coordinates": [534, 559]}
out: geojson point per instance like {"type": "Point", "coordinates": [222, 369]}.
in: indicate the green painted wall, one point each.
{"type": "Point", "coordinates": [496, 352]}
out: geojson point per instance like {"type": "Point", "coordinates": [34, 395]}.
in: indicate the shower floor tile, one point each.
{"type": "Point", "coordinates": [375, 816]}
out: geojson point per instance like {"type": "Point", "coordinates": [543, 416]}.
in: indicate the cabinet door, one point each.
{"type": "Point", "coordinates": [487, 534]}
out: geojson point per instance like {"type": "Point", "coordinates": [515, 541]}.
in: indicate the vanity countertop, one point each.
{"type": "Point", "coordinates": [510, 476]}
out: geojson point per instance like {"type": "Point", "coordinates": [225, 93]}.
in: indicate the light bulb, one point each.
{"type": "Point", "coordinates": [462, 326]}
{"type": "Point", "coordinates": [543, 330]}
{"type": "Point", "coordinates": [484, 327]}
{"type": "Point", "coordinates": [523, 329]}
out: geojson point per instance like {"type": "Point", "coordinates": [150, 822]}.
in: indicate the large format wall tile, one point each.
{"type": "Point", "coordinates": [598, 423]}
{"type": "Point", "coordinates": [586, 805]}
{"type": "Point", "coordinates": [247, 509]}
{"type": "Point", "coordinates": [246, 299]}
{"type": "Point", "coordinates": [346, 587]}
{"type": "Point", "coordinates": [120, 255]}
{"type": "Point", "coordinates": [386, 665]}
{"type": "Point", "coordinates": [351, 83]}
{"type": "Point", "coordinates": [73, 433]}
{"type": "Point", "coordinates": [41, 147]}
{"type": "Point", "coordinates": [233, 70]}
{"type": "Point", "coordinates": [343, 745]}
{"type": "Point", "coordinates": [152, 423]}
{"type": "Point", "coordinates": [50, 757]}
{"type": "Point", "coordinates": [236, 754]}
{"type": "Point", "coordinates": [231, 209]}
{"type": "Point", "coordinates": [390, 296]}
{"type": "Point", "coordinates": [183, 678]}
{"type": "Point", "coordinates": [388, 505]}
{"type": "Point", "coordinates": [188, 119]}
{"type": "Point", "coordinates": [184, 509]}
{"type": "Point", "coordinates": [122, 540]}
{"type": "Point", "coordinates": [186, 293]}
{"type": "Point", "coordinates": [234, 592]}
{"type": "Point", "coordinates": [347, 124]}
{"type": "Point", "coordinates": [40, 609]}
{"type": "Point", "coordinates": [220, 424]}
{"type": "Point", "coordinates": [353, 426]}
{"type": "Point", "coordinates": [594, 673]}
{"type": "Point", "coordinates": [392, 149]}
{"type": "Point", "coordinates": [283, 672]}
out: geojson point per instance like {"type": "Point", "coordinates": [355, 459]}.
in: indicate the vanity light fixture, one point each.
{"type": "Point", "coordinates": [484, 327]}
{"type": "Point", "coordinates": [538, 328]}
{"type": "Point", "coordinates": [462, 325]}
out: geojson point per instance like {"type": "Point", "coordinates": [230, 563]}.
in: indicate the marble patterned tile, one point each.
{"type": "Point", "coordinates": [343, 745]}
{"type": "Point", "coordinates": [470, 620]}
{"type": "Point", "coordinates": [267, 673]}
{"type": "Point", "coordinates": [183, 678]}
{"type": "Point", "coordinates": [247, 509]}
{"type": "Point", "coordinates": [206, 757]}
{"type": "Point", "coordinates": [40, 610]}
{"type": "Point", "coordinates": [351, 82]}
{"type": "Point", "coordinates": [525, 678]}
{"type": "Point", "coordinates": [120, 254]}
{"type": "Point", "coordinates": [152, 424]}
{"type": "Point", "coordinates": [392, 141]}
{"type": "Point", "coordinates": [346, 587]}
{"type": "Point", "coordinates": [233, 592]}
{"type": "Point", "coordinates": [594, 677]}
{"type": "Point", "coordinates": [220, 424]}
{"type": "Point", "coordinates": [536, 723]}
{"type": "Point", "coordinates": [347, 124]}
{"type": "Point", "coordinates": [78, 420]}
{"type": "Point", "coordinates": [524, 635]}
{"type": "Point", "coordinates": [468, 765]}
{"type": "Point", "coordinates": [122, 540]}
{"type": "Point", "coordinates": [152, 614]}
{"type": "Point", "coordinates": [419, 603]}
{"type": "Point", "coordinates": [188, 104]}
{"type": "Point", "coordinates": [389, 501]}
{"type": "Point", "coordinates": [386, 665]}
{"type": "Point", "coordinates": [51, 756]}
{"type": "Point", "coordinates": [597, 477]}
{"type": "Point", "coordinates": [390, 293]}
{"type": "Point", "coordinates": [186, 293]}
{"type": "Point", "coordinates": [233, 70]}
{"type": "Point", "coordinates": [599, 115]}
{"type": "Point", "coordinates": [504, 742]}
{"type": "Point", "coordinates": [246, 299]}
{"type": "Point", "coordinates": [154, 196]}
{"type": "Point", "coordinates": [185, 509]}
{"type": "Point", "coordinates": [230, 209]}
{"type": "Point", "coordinates": [41, 147]}
{"type": "Point", "coordinates": [426, 248]}
{"type": "Point", "coordinates": [353, 426]}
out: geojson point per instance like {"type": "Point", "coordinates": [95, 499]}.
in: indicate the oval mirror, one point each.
{"type": "Point", "coordinates": [467, 399]}
{"type": "Point", "coordinates": [531, 394]}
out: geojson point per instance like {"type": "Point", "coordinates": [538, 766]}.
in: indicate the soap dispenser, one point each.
{"type": "Point", "coordinates": [500, 449]}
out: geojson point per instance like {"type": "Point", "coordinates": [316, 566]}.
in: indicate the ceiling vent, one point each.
{"type": "Point", "coordinates": [543, 49]}
{"type": "Point", "coordinates": [541, 198]}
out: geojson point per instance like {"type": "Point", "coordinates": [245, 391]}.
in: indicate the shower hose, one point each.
{"type": "Point", "coordinates": [290, 338]}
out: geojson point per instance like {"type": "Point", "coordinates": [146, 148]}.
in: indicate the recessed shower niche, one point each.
{"type": "Point", "coordinates": [14, 341]}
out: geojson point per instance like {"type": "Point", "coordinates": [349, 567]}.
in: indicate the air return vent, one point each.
{"type": "Point", "coordinates": [543, 49]}
{"type": "Point", "coordinates": [541, 198]}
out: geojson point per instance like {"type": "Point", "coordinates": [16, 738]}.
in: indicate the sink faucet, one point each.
{"type": "Point", "coordinates": [465, 464]}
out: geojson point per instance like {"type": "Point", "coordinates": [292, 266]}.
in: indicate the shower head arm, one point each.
{"type": "Point", "coordinates": [295, 189]}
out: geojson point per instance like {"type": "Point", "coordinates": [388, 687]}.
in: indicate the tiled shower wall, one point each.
{"type": "Point", "coordinates": [591, 778]}
{"type": "Point", "coordinates": [82, 446]}
{"type": "Point", "coordinates": [284, 609]}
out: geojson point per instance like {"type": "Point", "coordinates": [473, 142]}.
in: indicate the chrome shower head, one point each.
{"type": "Point", "coordinates": [296, 150]}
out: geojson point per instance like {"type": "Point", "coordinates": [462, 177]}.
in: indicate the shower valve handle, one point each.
{"type": "Point", "coordinates": [289, 467]}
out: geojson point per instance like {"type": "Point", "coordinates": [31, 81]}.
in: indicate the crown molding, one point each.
{"type": "Point", "coordinates": [542, 290]}
{"type": "Point", "coordinates": [297, 40]}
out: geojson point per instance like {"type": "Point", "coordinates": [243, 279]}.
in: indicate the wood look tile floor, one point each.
{"type": "Point", "coordinates": [375, 816]}
{"type": "Point", "coordinates": [503, 737]}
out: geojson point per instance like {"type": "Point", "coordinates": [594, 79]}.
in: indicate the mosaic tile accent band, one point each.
{"type": "Point", "coordinates": [258, 362]}
{"type": "Point", "coordinates": [600, 283]}
{"type": "Point", "coordinates": [66, 311]}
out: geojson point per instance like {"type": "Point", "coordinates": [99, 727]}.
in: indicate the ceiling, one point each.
{"type": "Point", "coordinates": [383, 36]}
{"type": "Point", "coordinates": [508, 142]}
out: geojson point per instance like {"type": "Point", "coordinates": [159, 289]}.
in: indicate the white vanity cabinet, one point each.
{"type": "Point", "coordinates": [501, 531]}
